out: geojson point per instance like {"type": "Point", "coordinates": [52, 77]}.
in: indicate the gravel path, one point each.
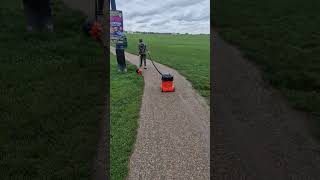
{"type": "Point", "coordinates": [174, 128]}
{"type": "Point", "coordinates": [257, 136]}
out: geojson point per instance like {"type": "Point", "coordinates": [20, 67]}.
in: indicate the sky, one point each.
{"type": "Point", "coordinates": [166, 16]}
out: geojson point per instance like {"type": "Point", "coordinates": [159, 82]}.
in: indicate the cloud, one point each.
{"type": "Point", "coordinates": [143, 20]}
{"type": "Point", "coordinates": [159, 23]}
{"type": "Point", "coordinates": [183, 16]}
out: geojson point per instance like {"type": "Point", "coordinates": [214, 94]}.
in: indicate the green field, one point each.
{"type": "Point", "coordinates": [283, 38]}
{"type": "Point", "coordinates": [189, 54]}
{"type": "Point", "coordinates": [126, 96]}
{"type": "Point", "coordinates": [52, 97]}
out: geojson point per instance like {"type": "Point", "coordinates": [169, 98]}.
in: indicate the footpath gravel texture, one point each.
{"type": "Point", "coordinates": [174, 130]}
{"type": "Point", "coordinates": [256, 134]}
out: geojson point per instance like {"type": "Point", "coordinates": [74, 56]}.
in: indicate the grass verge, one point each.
{"type": "Point", "coordinates": [126, 96]}
{"type": "Point", "coordinates": [283, 38]}
{"type": "Point", "coordinates": [52, 97]}
{"type": "Point", "coordinates": [189, 54]}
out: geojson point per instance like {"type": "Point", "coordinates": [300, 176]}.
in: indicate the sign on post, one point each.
{"type": "Point", "coordinates": [116, 25]}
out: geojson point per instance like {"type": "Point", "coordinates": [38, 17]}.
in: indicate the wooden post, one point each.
{"type": "Point", "coordinates": [104, 157]}
{"type": "Point", "coordinates": [106, 49]}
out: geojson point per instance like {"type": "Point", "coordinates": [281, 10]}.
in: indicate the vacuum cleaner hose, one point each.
{"type": "Point", "coordinates": [154, 64]}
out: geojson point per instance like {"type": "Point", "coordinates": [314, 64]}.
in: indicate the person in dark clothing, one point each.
{"type": "Point", "coordinates": [121, 59]}
{"type": "Point", "coordinates": [38, 14]}
{"type": "Point", "coordinates": [142, 52]}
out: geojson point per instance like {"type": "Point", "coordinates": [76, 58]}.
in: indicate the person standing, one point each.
{"type": "Point", "coordinates": [121, 59]}
{"type": "Point", "coordinates": [142, 47]}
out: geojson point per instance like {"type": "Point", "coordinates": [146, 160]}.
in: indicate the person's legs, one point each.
{"type": "Point", "coordinates": [141, 58]}
{"type": "Point", "coordinates": [118, 53]}
{"type": "Point", "coordinates": [145, 61]}
{"type": "Point", "coordinates": [30, 9]}
{"type": "Point", "coordinates": [46, 15]}
{"type": "Point", "coordinates": [123, 60]}
{"type": "Point", "coordinates": [38, 14]}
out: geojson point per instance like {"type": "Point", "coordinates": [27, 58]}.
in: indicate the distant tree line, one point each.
{"type": "Point", "coordinates": [141, 32]}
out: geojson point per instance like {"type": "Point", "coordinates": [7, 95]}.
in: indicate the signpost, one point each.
{"type": "Point", "coordinates": [117, 35]}
{"type": "Point", "coordinates": [113, 4]}
{"type": "Point", "coordinates": [116, 25]}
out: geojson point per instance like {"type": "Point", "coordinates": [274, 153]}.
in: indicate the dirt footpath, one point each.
{"type": "Point", "coordinates": [257, 136]}
{"type": "Point", "coordinates": [173, 135]}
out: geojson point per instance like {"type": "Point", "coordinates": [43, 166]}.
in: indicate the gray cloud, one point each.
{"type": "Point", "coordinates": [182, 3]}
{"type": "Point", "coordinates": [192, 18]}
{"type": "Point", "coordinates": [183, 16]}
{"type": "Point", "coordinates": [143, 20]}
{"type": "Point", "coordinates": [158, 23]}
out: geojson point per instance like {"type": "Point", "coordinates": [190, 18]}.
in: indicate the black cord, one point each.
{"type": "Point", "coordinates": [154, 64]}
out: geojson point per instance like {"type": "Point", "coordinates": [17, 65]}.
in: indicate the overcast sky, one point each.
{"type": "Point", "coordinates": [180, 16]}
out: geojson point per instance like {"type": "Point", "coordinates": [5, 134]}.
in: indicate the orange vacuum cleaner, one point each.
{"type": "Point", "coordinates": [167, 83]}
{"type": "Point", "coordinates": [167, 79]}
